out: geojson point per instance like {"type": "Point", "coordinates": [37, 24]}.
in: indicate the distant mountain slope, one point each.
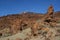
{"type": "Point", "coordinates": [57, 14]}
{"type": "Point", "coordinates": [23, 15]}
{"type": "Point", "coordinates": [7, 21]}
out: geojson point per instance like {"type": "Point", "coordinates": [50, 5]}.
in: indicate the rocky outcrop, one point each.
{"type": "Point", "coordinates": [40, 24]}
{"type": "Point", "coordinates": [47, 19]}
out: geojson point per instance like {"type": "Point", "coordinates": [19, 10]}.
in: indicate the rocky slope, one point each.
{"type": "Point", "coordinates": [31, 26]}
{"type": "Point", "coordinates": [23, 19]}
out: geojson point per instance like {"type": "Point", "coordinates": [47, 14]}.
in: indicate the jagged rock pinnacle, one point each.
{"type": "Point", "coordinates": [50, 9]}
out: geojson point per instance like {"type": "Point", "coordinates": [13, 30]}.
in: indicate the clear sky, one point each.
{"type": "Point", "coordinates": [18, 6]}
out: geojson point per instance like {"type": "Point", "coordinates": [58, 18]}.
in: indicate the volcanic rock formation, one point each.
{"type": "Point", "coordinates": [40, 24]}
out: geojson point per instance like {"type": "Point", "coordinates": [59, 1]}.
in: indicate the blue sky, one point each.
{"type": "Point", "coordinates": [17, 6]}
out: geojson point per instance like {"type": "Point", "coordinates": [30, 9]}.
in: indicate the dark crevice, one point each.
{"type": "Point", "coordinates": [0, 34]}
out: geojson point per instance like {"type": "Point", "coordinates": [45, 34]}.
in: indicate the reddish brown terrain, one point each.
{"type": "Point", "coordinates": [45, 25]}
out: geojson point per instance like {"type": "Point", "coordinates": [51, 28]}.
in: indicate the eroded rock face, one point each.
{"type": "Point", "coordinates": [47, 19]}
